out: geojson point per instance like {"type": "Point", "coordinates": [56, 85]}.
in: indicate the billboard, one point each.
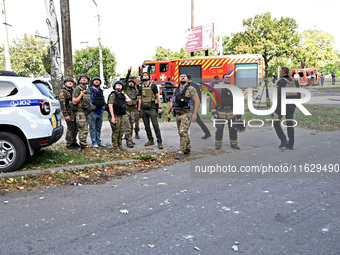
{"type": "Point", "coordinates": [200, 38]}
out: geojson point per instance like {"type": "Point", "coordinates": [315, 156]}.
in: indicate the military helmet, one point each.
{"type": "Point", "coordinates": [96, 78]}
{"type": "Point", "coordinates": [84, 75]}
{"type": "Point", "coordinates": [131, 80]}
{"type": "Point", "coordinates": [145, 73]}
{"type": "Point", "coordinates": [68, 79]}
{"type": "Point", "coordinates": [117, 82]}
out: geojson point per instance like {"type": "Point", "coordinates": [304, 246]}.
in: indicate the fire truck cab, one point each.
{"type": "Point", "coordinates": [245, 71]}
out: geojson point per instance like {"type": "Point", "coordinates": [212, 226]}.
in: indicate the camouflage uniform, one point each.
{"type": "Point", "coordinates": [81, 117]}
{"type": "Point", "coordinates": [183, 120]}
{"type": "Point", "coordinates": [65, 98]}
{"type": "Point", "coordinates": [118, 127]}
{"type": "Point", "coordinates": [131, 107]}
{"type": "Point", "coordinates": [149, 112]}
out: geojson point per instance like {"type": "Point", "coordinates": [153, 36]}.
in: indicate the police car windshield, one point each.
{"type": "Point", "coordinates": [44, 89]}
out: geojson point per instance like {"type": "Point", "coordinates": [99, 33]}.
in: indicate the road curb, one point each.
{"type": "Point", "coordinates": [62, 168]}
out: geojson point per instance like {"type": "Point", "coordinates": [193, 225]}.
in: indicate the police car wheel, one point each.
{"type": "Point", "coordinates": [12, 152]}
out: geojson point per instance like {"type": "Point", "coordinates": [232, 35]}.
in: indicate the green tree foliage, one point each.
{"type": "Point", "coordinates": [2, 59]}
{"type": "Point", "coordinates": [266, 36]}
{"type": "Point", "coordinates": [315, 49]}
{"type": "Point", "coordinates": [167, 54]}
{"type": "Point", "coordinates": [87, 61]}
{"type": "Point", "coordinates": [46, 59]}
{"type": "Point", "coordinates": [26, 55]}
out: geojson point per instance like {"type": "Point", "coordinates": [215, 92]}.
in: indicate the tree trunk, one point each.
{"type": "Point", "coordinates": [52, 23]}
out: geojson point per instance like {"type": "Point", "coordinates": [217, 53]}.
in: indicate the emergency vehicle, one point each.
{"type": "Point", "coordinates": [245, 71]}
{"type": "Point", "coordinates": [29, 119]}
{"type": "Point", "coordinates": [305, 75]}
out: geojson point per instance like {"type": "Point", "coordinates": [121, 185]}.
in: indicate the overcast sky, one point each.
{"type": "Point", "coordinates": [133, 29]}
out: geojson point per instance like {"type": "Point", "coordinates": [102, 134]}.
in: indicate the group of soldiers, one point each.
{"type": "Point", "coordinates": [83, 105]}
{"type": "Point", "coordinates": [139, 97]}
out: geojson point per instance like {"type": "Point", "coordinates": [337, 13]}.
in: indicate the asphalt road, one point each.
{"type": "Point", "coordinates": [173, 210]}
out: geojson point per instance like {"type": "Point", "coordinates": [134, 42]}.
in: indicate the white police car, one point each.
{"type": "Point", "coordinates": [29, 119]}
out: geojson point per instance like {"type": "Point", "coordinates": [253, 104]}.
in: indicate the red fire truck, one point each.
{"type": "Point", "coordinates": [245, 71]}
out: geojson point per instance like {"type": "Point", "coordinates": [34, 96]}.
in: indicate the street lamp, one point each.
{"type": "Point", "coordinates": [101, 69]}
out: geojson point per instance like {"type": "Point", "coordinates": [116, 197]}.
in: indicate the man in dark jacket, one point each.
{"type": "Point", "coordinates": [290, 109]}
{"type": "Point", "coordinates": [198, 119]}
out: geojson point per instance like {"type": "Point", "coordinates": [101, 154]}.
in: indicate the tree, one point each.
{"type": "Point", "coordinates": [315, 49]}
{"type": "Point", "coordinates": [2, 59]}
{"type": "Point", "coordinates": [167, 54]}
{"type": "Point", "coordinates": [271, 38]}
{"type": "Point", "coordinates": [46, 59]}
{"type": "Point", "coordinates": [87, 61]}
{"type": "Point", "coordinates": [26, 55]}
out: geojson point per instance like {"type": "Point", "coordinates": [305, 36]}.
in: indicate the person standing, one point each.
{"type": "Point", "coordinates": [137, 86]}
{"type": "Point", "coordinates": [65, 98]}
{"type": "Point", "coordinates": [333, 77]}
{"type": "Point", "coordinates": [224, 111]}
{"type": "Point", "coordinates": [198, 119]}
{"type": "Point", "coordinates": [181, 104]}
{"type": "Point", "coordinates": [147, 106]}
{"type": "Point", "coordinates": [96, 117]}
{"type": "Point", "coordinates": [80, 99]}
{"type": "Point", "coordinates": [290, 109]}
{"type": "Point", "coordinates": [117, 109]}
{"type": "Point", "coordinates": [131, 107]}
{"type": "Point", "coordinates": [322, 75]}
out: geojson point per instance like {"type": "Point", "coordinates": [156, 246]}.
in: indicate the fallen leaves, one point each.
{"type": "Point", "coordinates": [91, 175]}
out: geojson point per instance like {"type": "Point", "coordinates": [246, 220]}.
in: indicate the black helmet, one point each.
{"type": "Point", "coordinates": [84, 75]}
{"type": "Point", "coordinates": [117, 82]}
{"type": "Point", "coordinates": [68, 79]}
{"type": "Point", "coordinates": [96, 78]}
{"type": "Point", "coordinates": [131, 80]}
{"type": "Point", "coordinates": [239, 125]}
{"type": "Point", "coordinates": [145, 73]}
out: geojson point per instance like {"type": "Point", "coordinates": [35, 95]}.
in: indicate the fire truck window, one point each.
{"type": "Point", "coordinates": [301, 74]}
{"type": "Point", "coordinates": [163, 67]}
{"type": "Point", "coordinates": [152, 68]}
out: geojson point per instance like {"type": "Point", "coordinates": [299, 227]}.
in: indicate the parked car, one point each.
{"type": "Point", "coordinates": [29, 119]}
{"type": "Point", "coordinates": [8, 73]}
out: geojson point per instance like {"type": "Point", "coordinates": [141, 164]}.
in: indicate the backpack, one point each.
{"type": "Point", "coordinates": [98, 98]}
{"type": "Point", "coordinates": [291, 84]}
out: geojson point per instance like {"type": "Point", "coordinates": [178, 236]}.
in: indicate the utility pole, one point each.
{"type": "Point", "coordinates": [192, 21]}
{"type": "Point", "coordinates": [67, 41]}
{"type": "Point", "coordinates": [4, 22]}
{"type": "Point", "coordinates": [101, 68]}
{"type": "Point", "coordinates": [53, 28]}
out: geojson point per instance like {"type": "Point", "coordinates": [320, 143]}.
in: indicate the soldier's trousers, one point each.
{"type": "Point", "coordinates": [136, 121]}
{"type": "Point", "coordinates": [83, 127]}
{"type": "Point", "coordinates": [129, 120]}
{"type": "Point", "coordinates": [183, 121]}
{"type": "Point", "coordinates": [219, 133]}
{"type": "Point", "coordinates": [148, 115]}
{"type": "Point", "coordinates": [72, 130]}
{"type": "Point", "coordinates": [117, 131]}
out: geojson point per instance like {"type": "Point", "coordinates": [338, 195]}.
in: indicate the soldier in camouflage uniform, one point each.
{"type": "Point", "coordinates": [65, 98]}
{"type": "Point", "coordinates": [181, 104]}
{"type": "Point", "coordinates": [117, 109]}
{"type": "Point", "coordinates": [137, 86]}
{"type": "Point", "coordinates": [148, 94]}
{"type": "Point", "coordinates": [131, 107]}
{"type": "Point", "coordinates": [81, 115]}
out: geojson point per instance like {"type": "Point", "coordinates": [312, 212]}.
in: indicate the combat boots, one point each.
{"type": "Point", "coordinates": [137, 135]}
{"type": "Point", "coordinates": [149, 143]}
